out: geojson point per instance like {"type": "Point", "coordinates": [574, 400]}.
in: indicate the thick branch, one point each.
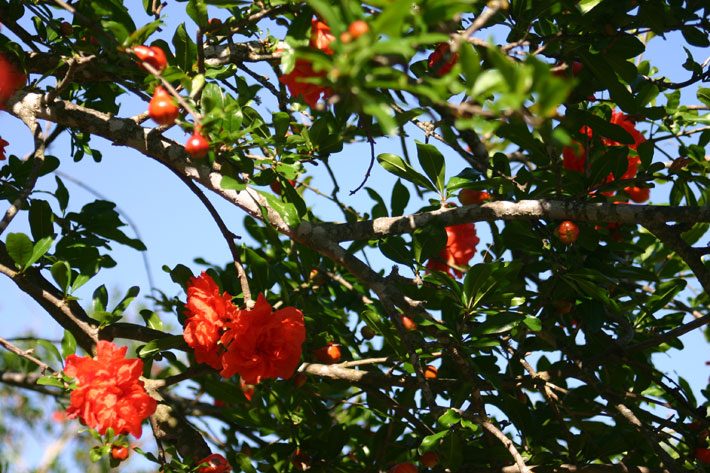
{"type": "Point", "coordinates": [148, 141]}
{"type": "Point", "coordinates": [595, 468]}
{"type": "Point", "coordinates": [28, 381]}
{"type": "Point", "coordinates": [503, 210]}
{"type": "Point", "coordinates": [508, 444]}
{"type": "Point", "coordinates": [26, 354]}
{"type": "Point", "coordinates": [237, 53]}
{"type": "Point", "coordinates": [69, 314]}
{"type": "Point", "coordinates": [131, 332]}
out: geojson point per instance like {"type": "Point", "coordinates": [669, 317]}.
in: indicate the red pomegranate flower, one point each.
{"type": "Point", "coordinates": [263, 344]}
{"type": "Point", "coordinates": [321, 37]}
{"type": "Point", "coordinates": [208, 311]}
{"type": "Point", "coordinates": [442, 60]}
{"type": "Point", "coordinates": [109, 391]}
{"type": "Point", "coordinates": [3, 143]}
{"type": "Point", "coordinates": [297, 80]}
{"type": "Point", "coordinates": [11, 79]}
{"type": "Point", "coordinates": [574, 158]}
{"type": "Point", "coordinates": [460, 247]}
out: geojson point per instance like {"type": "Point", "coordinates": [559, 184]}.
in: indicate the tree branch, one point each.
{"type": "Point", "coordinates": [508, 444]}
{"type": "Point", "coordinates": [68, 313]}
{"type": "Point", "coordinates": [504, 210]}
{"type": "Point", "coordinates": [148, 141]}
{"type": "Point", "coordinates": [26, 354]}
{"type": "Point", "coordinates": [673, 240]}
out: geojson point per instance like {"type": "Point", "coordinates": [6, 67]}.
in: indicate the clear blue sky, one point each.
{"type": "Point", "coordinates": [176, 228]}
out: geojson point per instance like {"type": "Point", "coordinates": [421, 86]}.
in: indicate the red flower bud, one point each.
{"type": "Point", "coordinates": [473, 197]}
{"type": "Point", "coordinates": [197, 146]}
{"type": "Point", "coordinates": [404, 468]}
{"type": "Point", "coordinates": [152, 55]}
{"type": "Point", "coordinates": [328, 354]}
{"type": "Point", "coordinates": [161, 107]}
{"type": "Point", "coordinates": [567, 232]}
{"type": "Point", "coordinates": [429, 459]}
{"type": "Point", "coordinates": [119, 452]}
{"type": "Point", "coordinates": [638, 194]}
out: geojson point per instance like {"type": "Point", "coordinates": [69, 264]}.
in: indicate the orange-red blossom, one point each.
{"type": "Point", "coordinates": [256, 343]}
{"type": "Point", "coordinates": [109, 392]}
{"type": "Point", "coordinates": [297, 81]}
{"type": "Point", "coordinates": [11, 79]}
{"type": "Point", "coordinates": [461, 241]}
{"type": "Point", "coordinates": [574, 158]}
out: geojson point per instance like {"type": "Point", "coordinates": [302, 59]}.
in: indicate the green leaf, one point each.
{"type": "Point", "coordinates": [41, 219]}
{"type": "Point", "coordinates": [533, 323]}
{"type": "Point", "coordinates": [100, 299]}
{"type": "Point", "coordinates": [428, 242]}
{"type": "Point", "coordinates": [38, 250]}
{"type": "Point", "coordinates": [703, 95]}
{"type": "Point", "coordinates": [604, 73]}
{"type": "Point", "coordinates": [391, 20]}
{"type": "Point", "coordinates": [449, 418]}
{"type": "Point", "coordinates": [61, 273]}
{"type": "Point", "coordinates": [281, 121]}
{"type": "Point", "coordinates": [185, 49]}
{"type": "Point", "coordinates": [20, 248]}
{"type": "Point", "coordinates": [51, 349]}
{"type": "Point", "coordinates": [230, 183]}
{"type": "Point", "coordinates": [212, 98]}
{"type": "Point", "coordinates": [432, 162]}
{"type": "Point", "coordinates": [400, 198]}
{"type": "Point", "coordinates": [395, 248]}
{"type": "Point", "coordinates": [587, 5]}
{"type": "Point", "coordinates": [286, 210]}
{"type": "Point", "coordinates": [397, 166]}
{"type": "Point", "coordinates": [152, 319]}
{"type": "Point", "coordinates": [180, 274]}
{"type": "Point", "coordinates": [470, 63]}
{"type": "Point", "coordinates": [68, 344]}
{"type": "Point", "coordinates": [197, 10]}
{"type": "Point", "coordinates": [383, 113]}
{"type": "Point", "coordinates": [431, 441]}
{"type": "Point", "coordinates": [126, 301]}
{"type": "Point", "coordinates": [326, 11]}
{"type": "Point", "coordinates": [50, 380]}
{"type": "Point", "coordinates": [695, 36]}
{"type": "Point", "coordinates": [140, 35]}
{"type": "Point", "coordinates": [154, 347]}
{"type": "Point", "coordinates": [477, 284]}
{"type": "Point", "coordinates": [498, 323]}
{"type": "Point", "coordinates": [61, 194]}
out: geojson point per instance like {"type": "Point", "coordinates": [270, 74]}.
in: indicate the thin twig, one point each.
{"type": "Point", "coordinates": [26, 355]}
{"type": "Point", "coordinates": [228, 237]}
{"type": "Point", "coordinates": [682, 133]}
{"type": "Point", "coordinates": [183, 103]}
{"type": "Point", "coordinates": [73, 66]}
{"type": "Point", "coordinates": [484, 17]}
{"type": "Point", "coordinates": [369, 168]}
{"type": "Point", "coordinates": [38, 159]}
{"type": "Point", "coordinates": [508, 444]}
